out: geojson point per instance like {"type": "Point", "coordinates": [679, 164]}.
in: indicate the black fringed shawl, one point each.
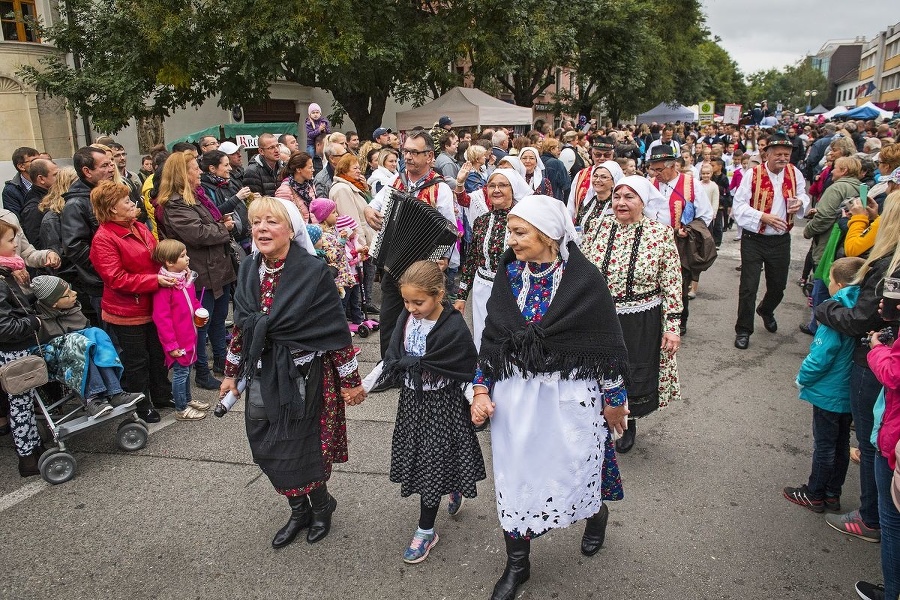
{"type": "Point", "coordinates": [450, 354]}
{"type": "Point", "coordinates": [579, 336]}
{"type": "Point", "coordinates": [306, 315]}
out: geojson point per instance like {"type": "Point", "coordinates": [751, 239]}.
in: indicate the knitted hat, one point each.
{"type": "Point", "coordinates": [315, 233]}
{"type": "Point", "coordinates": [345, 222]}
{"type": "Point", "coordinates": [321, 208]}
{"type": "Point", "coordinates": [49, 289]}
{"type": "Point", "coordinates": [313, 106]}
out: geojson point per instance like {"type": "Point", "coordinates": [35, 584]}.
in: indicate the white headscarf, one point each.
{"type": "Point", "coordinates": [643, 188]}
{"type": "Point", "coordinates": [520, 188]}
{"type": "Point", "coordinates": [550, 217]}
{"type": "Point", "coordinates": [538, 175]}
{"type": "Point", "coordinates": [516, 164]}
{"type": "Point", "coordinates": [614, 169]}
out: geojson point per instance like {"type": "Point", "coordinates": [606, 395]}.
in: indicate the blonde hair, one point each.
{"type": "Point", "coordinates": [891, 155]}
{"type": "Point", "coordinates": [887, 238]}
{"type": "Point", "coordinates": [384, 153]}
{"type": "Point", "coordinates": [850, 164]}
{"type": "Point", "coordinates": [474, 152]}
{"type": "Point", "coordinates": [105, 196]}
{"type": "Point", "coordinates": [54, 200]}
{"type": "Point", "coordinates": [174, 180]}
{"type": "Point", "coordinates": [425, 275]}
{"type": "Point", "coordinates": [267, 204]}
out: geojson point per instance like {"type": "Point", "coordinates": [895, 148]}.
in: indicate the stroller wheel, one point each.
{"type": "Point", "coordinates": [47, 454]}
{"type": "Point", "coordinates": [131, 436]}
{"type": "Point", "coordinates": [59, 468]}
{"type": "Point", "coordinates": [362, 331]}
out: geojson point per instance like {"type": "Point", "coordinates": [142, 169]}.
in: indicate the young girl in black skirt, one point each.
{"type": "Point", "coordinates": [431, 358]}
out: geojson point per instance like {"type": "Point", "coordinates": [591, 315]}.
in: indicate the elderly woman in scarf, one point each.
{"type": "Point", "coordinates": [534, 171]}
{"type": "Point", "coordinates": [639, 260]}
{"type": "Point", "coordinates": [596, 201]}
{"type": "Point", "coordinates": [551, 376]}
{"type": "Point", "coordinates": [292, 345]}
{"type": "Point", "coordinates": [503, 189]}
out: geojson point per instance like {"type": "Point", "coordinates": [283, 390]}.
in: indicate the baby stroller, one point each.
{"type": "Point", "coordinates": [368, 325]}
{"type": "Point", "coordinates": [67, 416]}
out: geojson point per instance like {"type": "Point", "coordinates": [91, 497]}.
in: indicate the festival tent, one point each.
{"type": "Point", "coordinates": [667, 113]}
{"type": "Point", "coordinates": [819, 110]}
{"type": "Point", "coordinates": [466, 107]}
{"type": "Point", "coordinates": [232, 130]}
{"type": "Point", "coordinates": [835, 111]}
{"type": "Point", "coordinates": [865, 112]}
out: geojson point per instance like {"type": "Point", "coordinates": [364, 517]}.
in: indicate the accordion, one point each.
{"type": "Point", "coordinates": [412, 230]}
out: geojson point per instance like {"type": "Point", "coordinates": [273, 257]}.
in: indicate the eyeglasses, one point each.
{"type": "Point", "coordinates": [415, 152]}
{"type": "Point", "coordinates": [498, 186]}
{"type": "Point", "coordinates": [270, 147]}
{"type": "Point", "coordinates": [602, 177]}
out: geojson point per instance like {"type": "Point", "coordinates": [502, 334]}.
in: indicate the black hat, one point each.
{"type": "Point", "coordinates": [603, 142]}
{"type": "Point", "coordinates": [444, 121]}
{"type": "Point", "coordinates": [779, 139]}
{"type": "Point", "coordinates": [662, 152]}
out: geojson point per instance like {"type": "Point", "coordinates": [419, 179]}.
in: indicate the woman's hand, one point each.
{"type": "Point", "coordinates": [165, 281]}
{"type": "Point", "coordinates": [463, 173]}
{"type": "Point", "coordinates": [616, 418]}
{"type": "Point", "coordinates": [229, 384]}
{"type": "Point", "coordinates": [671, 342]}
{"type": "Point", "coordinates": [22, 277]}
{"type": "Point", "coordinates": [482, 408]}
{"type": "Point", "coordinates": [53, 260]}
{"type": "Point", "coordinates": [855, 207]}
{"type": "Point", "coordinates": [460, 305]}
{"type": "Point", "coordinates": [243, 193]}
{"type": "Point", "coordinates": [228, 222]}
{"type": "Point", "coordinates": [353, 396]}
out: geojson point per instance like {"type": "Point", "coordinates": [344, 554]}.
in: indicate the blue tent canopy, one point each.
{"type": "Point", "coordinates": [861, 112]}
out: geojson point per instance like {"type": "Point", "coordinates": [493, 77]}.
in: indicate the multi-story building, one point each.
{"type": "Point", "coordinates": [879, 70]}
{"type": "Point", "coordinates": [838, 61]}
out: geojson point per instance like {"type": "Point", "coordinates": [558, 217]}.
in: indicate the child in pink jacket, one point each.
{"type": "Point", "coordinates": [173, 313]}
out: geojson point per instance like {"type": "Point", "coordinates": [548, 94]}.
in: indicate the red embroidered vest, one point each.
{"type": "Point", "coordinates": [581, 185]}
{"type": "Point", "coordinates": [762, 192]}
{"type": "Point", "coordinates": [427, 193]}
{"type": "Point", "coordinates": [682, 193]}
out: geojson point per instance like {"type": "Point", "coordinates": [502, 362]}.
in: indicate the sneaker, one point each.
{"type": "Point", "coordinates": [456, 503]}
{"type": "Point", "coordinates": [125, 399]}
{"type": "Point", "coordinates": [189, 414]}
{"type": "Point", "coordinates": [800, 496]}
{"type": "Point", "coordinates": [852, 524]}
{"type": "Point", "coordinates": [419, 547]}
{"type": "Point", "coordinates": [148, 415]}
{"type": "Point", "coordinates": [198, 405]}
{"type": "Point", "coordinates": [97, 409]}
{"type": "Point", "coordinates": [833, 503]}
{"type": "Point", "coordinates": [869, 591]}
{"type": "Point", "coordinates": [692, 294]}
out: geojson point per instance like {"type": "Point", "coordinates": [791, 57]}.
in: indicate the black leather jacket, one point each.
{"type": "Point", "coordinates": [78, 228]}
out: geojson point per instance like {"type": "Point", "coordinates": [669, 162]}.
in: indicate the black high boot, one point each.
{"type": "Point", "coordinates": [626, 442]}
{"type": "Point", "coordinates": [300, 517]}
{"type": "Point", "coordinates": [517, 571]}
{"type": "Point", "coordinates": [323, 505]}
{"type": "Point", "coordinates": [595, 532]}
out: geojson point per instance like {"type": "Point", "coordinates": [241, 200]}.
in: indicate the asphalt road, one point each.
{"type": "Point", "coordinates": [190, 516]}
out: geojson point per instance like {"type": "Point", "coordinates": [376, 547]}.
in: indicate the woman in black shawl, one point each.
{"type": "Point", "coordinates": [551, 376]}
{"type": "Point", "coordinates": [292, 344]}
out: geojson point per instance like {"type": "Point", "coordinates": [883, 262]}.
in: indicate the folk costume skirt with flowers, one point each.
{"type": "Point", "coordinates": [548, 439]}
{"type": "Point", "coordinates": [434, 450]}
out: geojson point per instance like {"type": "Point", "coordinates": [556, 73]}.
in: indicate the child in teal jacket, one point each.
{"type": "Point", "coordinates": [824, 382]}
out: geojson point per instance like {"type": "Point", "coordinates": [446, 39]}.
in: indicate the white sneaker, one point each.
{"type": "Point", "coordinates": [189, 414]}
{"type": "Point", "coordinates": [198, 405]}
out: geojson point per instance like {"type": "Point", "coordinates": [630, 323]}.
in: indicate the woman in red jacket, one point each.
{"type": "Point", "coordinates": [121, 254]}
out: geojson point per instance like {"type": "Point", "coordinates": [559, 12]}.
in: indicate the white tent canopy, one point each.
{"type": "Point", "coordinates": [835, 111]}
{"type": "Point", "coordinates": [466, 107]}
{"type": "Point", "coordinates": [665, 113]}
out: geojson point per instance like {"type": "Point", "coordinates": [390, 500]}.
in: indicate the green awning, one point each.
{"type": "Point", "coordinates": [232, 130]}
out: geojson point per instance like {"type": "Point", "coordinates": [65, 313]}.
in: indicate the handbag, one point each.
{"type": "Point", "coordinates": [22, 374]}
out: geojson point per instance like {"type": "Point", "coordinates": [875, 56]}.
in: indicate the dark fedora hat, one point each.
{"type": "Point", "coordinates": [662, 152]}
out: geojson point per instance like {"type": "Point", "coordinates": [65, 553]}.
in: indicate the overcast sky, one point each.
{"type": "Point", "coordinates": [764, 34]}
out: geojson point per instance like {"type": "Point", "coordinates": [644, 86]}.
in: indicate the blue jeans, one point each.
{"type": "Point", "coordinates": [864, 390]}
{"type": "Point", "coordinates": [181, 386]}
{"type": "Point", "coordinates": [831, 453]}
{"type": "Point", "coordinates": [214, 328]}
{"type": "Point", "coordinates": [819, 295]}
{"type": "Point", "coordinates": [890, 529]}
{"type": "Point", "coordinates": [101, 381]}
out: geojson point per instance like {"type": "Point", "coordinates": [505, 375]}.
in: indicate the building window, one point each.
{"type": "Point", "coordinates": [18, 18]}
{"type": "Point", "coordinates": [893, 49]}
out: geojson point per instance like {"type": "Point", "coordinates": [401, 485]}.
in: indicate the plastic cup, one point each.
{"type": "Point", "coordinates": [201, 316]}
{"type": "Point", "coordinates": [891, 297]}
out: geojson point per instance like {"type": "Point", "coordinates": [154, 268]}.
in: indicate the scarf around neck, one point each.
{"type": "Point", "coordinates": [306, 315]}
{"type": "Point", "coordinates": [207, 203]}
{"type": "Point", "coordinates": [13, 263]}
{"type": "Point", "coordinates": [182, 279]}
{"type": "Point", "coordinates": [305, 190]}
{"type": "Point", "coordinates": [579, 336]}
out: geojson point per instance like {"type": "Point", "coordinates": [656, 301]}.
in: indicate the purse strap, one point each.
{"type": "Point", "coordinates": [22, 306]}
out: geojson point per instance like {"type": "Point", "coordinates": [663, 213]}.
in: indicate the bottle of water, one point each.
{"type": "Point", "coordinates": [225, 404]}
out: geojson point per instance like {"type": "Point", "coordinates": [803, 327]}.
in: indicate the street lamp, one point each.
{"type": "Point", "coordinates": [810, 94]}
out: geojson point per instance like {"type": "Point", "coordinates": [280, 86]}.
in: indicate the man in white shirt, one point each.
{"type": "Point", "coordinates": [770, 196]}
{"type": "Point", "coordinates": [665, 139]}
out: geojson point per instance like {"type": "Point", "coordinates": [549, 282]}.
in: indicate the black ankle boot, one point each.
{"type": "Point", "coordinates": [595, 532]}
{"type": "Point", "coordinates": [626, 442]}
{"type": "Point", "coordinates": [28, 465]}
{"type": "Point", "coordinates": [517, 571]}
{"type": "Point", "coordinates": [323, 505]}
{"type": "Point", "coordinates": [300, 517]}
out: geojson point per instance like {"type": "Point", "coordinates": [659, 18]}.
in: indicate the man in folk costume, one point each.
{"type": "Point", "coordinates": [681, 194]}
{"type": "Point", "coordinates": [602, 149]}
{"type": "Point", "coordinates": [420, 179]}
{"type": "Point", "coordinates": [768, 200]}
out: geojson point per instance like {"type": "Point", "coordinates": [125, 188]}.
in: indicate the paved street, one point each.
{"type": "Point", "coordinates": [190, 516]}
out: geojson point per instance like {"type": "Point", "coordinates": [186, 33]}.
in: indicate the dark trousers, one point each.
{"type": "Point", "coordinates": [143, 362]}
{"type": "Point", "coordinates": [391, 307]}
{"type": "Point", "coordinates": [864, 390]}
{"type": "Point", "coordinates": [831, 453]}
{"type": "Point", "coordinates": [686, 278]}
{"type": "Point", "coordinates": [718, 225]}
{"type": "Point", "coordinates": [214, 329]}
{"type": "Point", "coordinates": [773, 251]}
{"type": "Point", "coordinates": [352, 305]}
